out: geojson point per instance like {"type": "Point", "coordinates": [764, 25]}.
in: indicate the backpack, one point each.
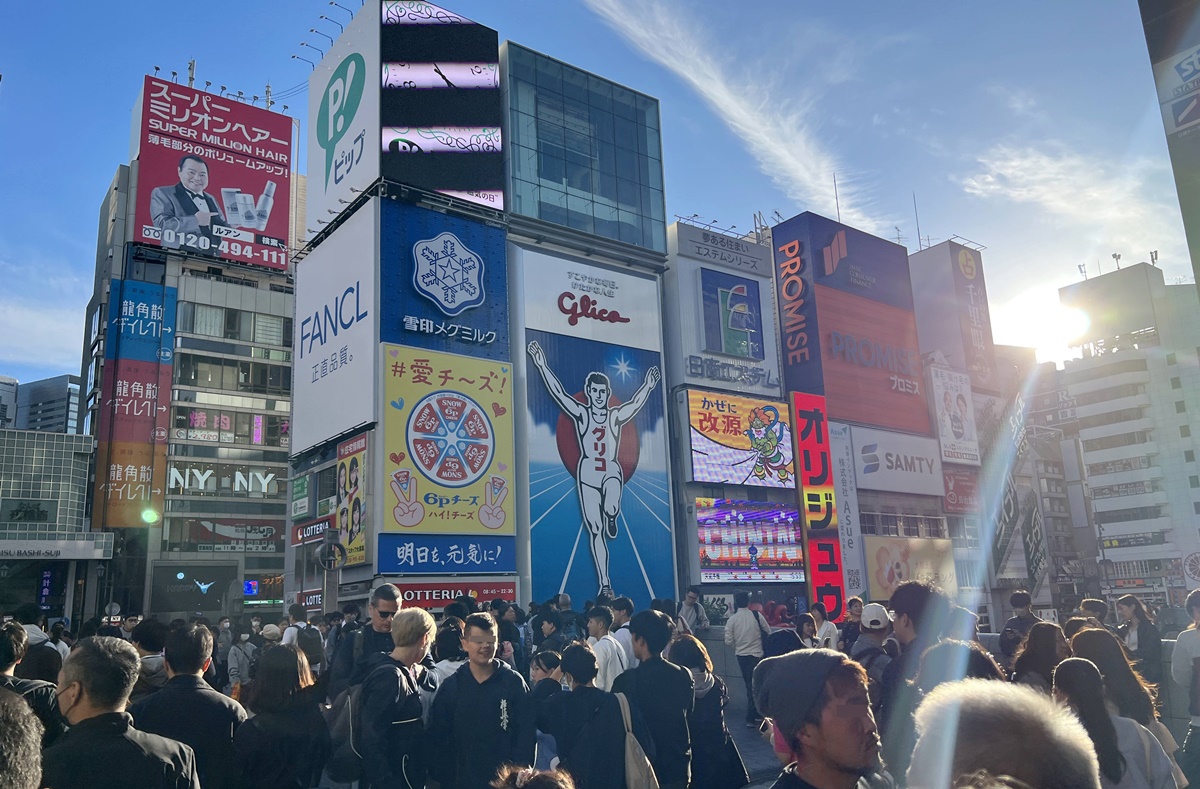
{"type": "Point", "coordinates": [781, 642]}
{"type": "Point", "coordinates": [639, 773]}
{"type": "Point", "coordinates": [309, 640]}
{"type": "Point", "coordinates": [867, 659]}
{"type": "Point", "coordinates": [253, 657]}
{"type": "Point", "coordinates": [569, 629]}
{"type": "Point", "coordinates": [344, 719]}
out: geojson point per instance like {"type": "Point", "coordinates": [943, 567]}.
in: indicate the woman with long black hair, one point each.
{"type": "Point", "coordinates": [1129, 754]}
{"type": "Point", "coordinates": [1141, 637]}
{"type": "Point", "coordinates": [1044, 647]}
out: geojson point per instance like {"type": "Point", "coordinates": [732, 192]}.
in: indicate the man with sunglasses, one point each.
{"type": "Point", "coordinates": [352, 658]}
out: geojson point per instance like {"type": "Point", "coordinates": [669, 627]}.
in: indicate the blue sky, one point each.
{"type": "Point", "coordinates": [1029, 127]}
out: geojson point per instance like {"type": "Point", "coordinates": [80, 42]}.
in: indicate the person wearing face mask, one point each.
{"type": "Point", "coordinates": [243, 660]}
{"type": "Point", "coordinates": [256, 636]}
{"type": "Point", "coordinates": [102, 747]}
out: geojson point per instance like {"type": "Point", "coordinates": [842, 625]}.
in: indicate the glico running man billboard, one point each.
{"type": "Point", "coordinates": [214, 175]}
{"type": "Point", "coordinates": [597, 432]}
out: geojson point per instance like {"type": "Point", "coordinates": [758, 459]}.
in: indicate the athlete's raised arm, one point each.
{"type": "Point", "coordinates": [627, 411]}
{"type": "Point", "coordinates": [573, 407]}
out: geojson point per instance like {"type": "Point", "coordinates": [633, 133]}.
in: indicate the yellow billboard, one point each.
{"type": "Point", "coordinates": [448, 443]}
{"type": "Point", "coordinates": [893, 560]}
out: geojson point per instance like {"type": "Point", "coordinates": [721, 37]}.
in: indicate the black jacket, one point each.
{"type": "Point", "coordinates": [393, 732]}
{"type": "Point", "coordinates": [476, 727]}
{"type": "Point", "coordinates": [353, 657]}
{"type": "Point", "coordinates": [716, 763]}
{"type": "Point", "coordinates": [107, 751]}
{"type": "Point", "coordinates": [587, 726]}
{"type": "Point", "coordinates": [1148, 655]}
{"type": "Point", "coordinates": [555, 642]}
{"type": "Point", "coordinates": [43, 698]}
{"type": "Point", "coordinates": [283, 750]}
{"type": "Point", "coordinates": [42, 661]}
{"type": "Point", "coordinates": [662, 693]}
{"type": "Point", "coordinates": [188, 710]}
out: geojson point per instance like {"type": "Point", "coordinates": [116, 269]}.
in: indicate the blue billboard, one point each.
{"type": "Point", "coordinates": [446, 554]}
{"type": "Point", "coordinates": [141, 322]}
{"type": "Point", "coordinates": [733, 322]}
{"type": "Point", "coordinates": [443, 283]}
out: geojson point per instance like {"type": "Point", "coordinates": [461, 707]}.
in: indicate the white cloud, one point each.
{"type": "Point", "coordinates": [774, 122]}
{"type": "Point", "coordinates": [41, 336]}
{"type": "Point", "coordinates": [1120, 206]}
{"type": "Point", "coordinates": [1018, 100]}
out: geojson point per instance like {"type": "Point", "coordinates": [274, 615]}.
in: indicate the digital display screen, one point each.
{"type": "Point", "coordinates": [749, 541]}
{"type": "Point", "coordinates": [740, 440]}
{"type": "Point", "coordinates": [191, 587]}
{"type": "Point", "coordinates": [440, 104]}
{"type": "Point", "coordinates": [249, 588]}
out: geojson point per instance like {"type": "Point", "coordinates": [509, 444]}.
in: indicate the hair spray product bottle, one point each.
{"type": "Point", "coordinates": [262, 211]}
{"type": "Point", "coordinates": [229, 199]}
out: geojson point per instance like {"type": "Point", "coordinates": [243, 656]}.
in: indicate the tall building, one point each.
{"type": "Point", "coordinates": [1136, 392]}
{"type": "Point", "coordinates": [187, 358]}
{"type": "Point", "coordinates": [452, 313]}
{"type": "Point", "coordinates": [8, 401]}
{"type": "Point", "coordinates": [50, 405]}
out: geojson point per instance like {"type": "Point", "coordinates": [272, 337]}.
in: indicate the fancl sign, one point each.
{"type": "Point", "coordinates": [341, 312]}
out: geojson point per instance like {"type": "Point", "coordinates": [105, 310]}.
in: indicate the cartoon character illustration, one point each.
{"type": "Point", "coordinates": [770, 440]}
{"type": "Point", "coordinates": [599, 478]}
{"type": "Point", "coordinates": [891, 566]}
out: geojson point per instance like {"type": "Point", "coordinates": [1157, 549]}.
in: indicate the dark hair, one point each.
{"type": "Point", "coordinates": [1190, 604]}
{"type": "Point", "coordinates": [183, 160]}
{"type": "Point", "coordinates": [597, 379]}
{"type": "Point", "coordinates": [1093, 604]}
{"type": "Point", "coordinates": [695, 590]}
{"type": "Point", "coordinates": [467, 602]}
{"type": "Point", "coordinates": [188, 649]}
{"type": "Point", "coordinates": [1080, 681]}
{"type": "Point", "coordinates": [14, 642]}
{"type": "Point", "coordinates": [510, 776]}
{"type": "Point", "coordinates": [1127, 690]}
{"type": "Point", "coordinates": [150, 635]}
{"type": "Point", "coordinates": [925, 604]}
{"type": "Point", "coordinates": [28, 614]}
{"type": "Point", "coordinates": [689, 652]}
{"type": "Point", "coordinates": [603, 613]}
{"type": "Point", "coordinates": [351, 609]}
{"type": "Point", "coordinates": [1139, 610]}
{"type": "Point", "coordinates": [1020, 599]}
{"type": "Point", "coordinates": [452, 622]}
{"type": "Point", "coordinates": [283, 675]}
{"type": "Point", "coordinates": [552, 617]}
{"type": "Point", "coordinates": [579, 661]}
{"type": "Point", "coordinates": [820, 609]}
{"type": "Point", "coordinates": [482, 621]}
{"type": "Point", "coordinates": [455, 611]}
{"type": "Point", "coordinates": [333, 617]}
{"type": "Point", "coordinates": [521, 616]}
{"type": "Point", "coordinates": [20, 743]}
{"type": "Point", "coordinates": [297, 612]}
{"type": "Point", "coordinates": [106, 666]}
{"type": "Point", "coordinates": [852, 601]}
{"type": "Point", "coordinates": [448, 644]}
{"type": "Point", "coordinates": [386, 592]}
{"type": "Point", "coordinates": [177, 623]}
{"type": "Point", "coordinates": [1075, 624]}
{"type": "Point", "coordinates": [804, 619]}
{"type": "Point", "coordinates": [741, 600]}
{"type": "Point", "coordinates": [499, 608]}
{"type": "Point", "coordinates": [653, 627]}
{"type": "Point", "coordinates": [56, 631]}
{"type": "Point", "coordinates": [548, 660]}
{"type": "Point", "coordinates": [952, 660]}
{"type": "Point", "coordinates": [623, 604]}
{"type": "Point", "coordinates": [1038, 652]}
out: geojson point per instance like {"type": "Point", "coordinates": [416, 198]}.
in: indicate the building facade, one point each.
{"type": "Point", "coordinates": [50, 405]}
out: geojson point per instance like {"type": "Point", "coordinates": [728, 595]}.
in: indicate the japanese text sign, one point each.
{"type": "Point", "coordinates": [955, 409]}
{"type": "Point", "coordinates": [818, 504]}
{"type": "Point", "coordinates": [448, 443]}
{"type": "Point", "coordinates": [214, 176]}
{"type": "Point", "coordinates": [436, 595]}
{"type": "Point", "coordinates": [739, 440]}
{"type": "Point", "coordinates": [353, 510]}
{"type": "Point", "coordinates": [446, 554]}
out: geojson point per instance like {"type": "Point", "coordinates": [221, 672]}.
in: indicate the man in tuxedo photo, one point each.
{"type": "Point", "coordinates": [187, 210]}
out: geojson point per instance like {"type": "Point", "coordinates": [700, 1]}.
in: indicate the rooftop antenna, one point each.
{"type": "Point", "coordinates": [899, 238]}
{"type": "Point", "coordinates": [1083, 270]}
{"type": "Point", "coordinates": [1154, 258]}
{"type": "Point", "coordinates": [837, 202]}
{"type": "Point", "coordinates": [917, 215]}
{"type": "Point", "coordinates": [777, 215]}
{"type": "Point", "coordinates": [192, 73]}
{"type": "Point", "coordinates": [1117, 257]}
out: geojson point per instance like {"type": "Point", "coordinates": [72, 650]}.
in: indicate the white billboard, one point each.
{"type": "Point", "coordinates": [343, 117]}
{"type": "Point", "coordinates": [896, 462]}
{"type": "Point", "coordinates": [588, 302]}
{"type": "Point", "coordinates": [336, 332]}
{"type": "Point", "coordinates": [954, 409]}
{"type": "Point", "coordinates": [854, 563]}
{"type": "Point", "coordinates": [719, 312]}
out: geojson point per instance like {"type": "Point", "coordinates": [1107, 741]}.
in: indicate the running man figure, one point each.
{"type": "Point", "coordinates": [599, 477]}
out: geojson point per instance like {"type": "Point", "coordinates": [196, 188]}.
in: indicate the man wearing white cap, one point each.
{"type": "Point", "coordinates": [821, 724]}
{"type": "Point", "coordinates": [869, 652]}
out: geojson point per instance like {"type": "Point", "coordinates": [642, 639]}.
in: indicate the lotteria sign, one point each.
{"type": "Point", "coordinates": [304, 533]}
{"type": "Point", "coordinates": [436, 595]}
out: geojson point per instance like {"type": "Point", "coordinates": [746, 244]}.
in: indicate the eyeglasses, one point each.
{"type": "Point", "coordinates": [385, 614]}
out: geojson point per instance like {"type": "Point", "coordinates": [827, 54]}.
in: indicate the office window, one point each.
{"type": "Point", "coordinates": [1196, 507]}
{"type": "Point", "coordinates": [1180, 407]}
{"type": "Point", "coordinates": [1176, 383]}
{"type": "Point", "coordinates": [1194, 481]}
{"type": "Point", "coordinates": [1185, 431]}
{"type": "Point", "coordinates": [209, 321]}
{"type": "Point", "coordinates": [1170, 358]}
{"type": "Point", "coordinates": [1189, 456]}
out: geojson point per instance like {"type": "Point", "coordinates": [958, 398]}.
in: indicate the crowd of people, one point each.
{"type": "Point", "coordinates": [608, 698]}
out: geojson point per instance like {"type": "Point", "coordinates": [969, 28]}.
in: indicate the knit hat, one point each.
{"type": "Point", "coordinates": [786, 687]}
{"type": "Point", "coordinates": [271, 632]}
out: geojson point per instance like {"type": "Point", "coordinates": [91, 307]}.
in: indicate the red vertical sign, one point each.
{"type": "Point", "coordinates": [814, 470]}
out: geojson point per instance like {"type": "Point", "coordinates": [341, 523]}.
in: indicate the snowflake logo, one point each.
{"type": "Point", "coordinates": [448, 273]}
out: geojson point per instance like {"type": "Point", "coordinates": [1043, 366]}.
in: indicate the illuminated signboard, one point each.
{"type": "Point", "coordinates": [740, 441]}
{"type": "Point", "coordinates": [748, 541]}
{"type": "Point", "coordinates": [818, 504]}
